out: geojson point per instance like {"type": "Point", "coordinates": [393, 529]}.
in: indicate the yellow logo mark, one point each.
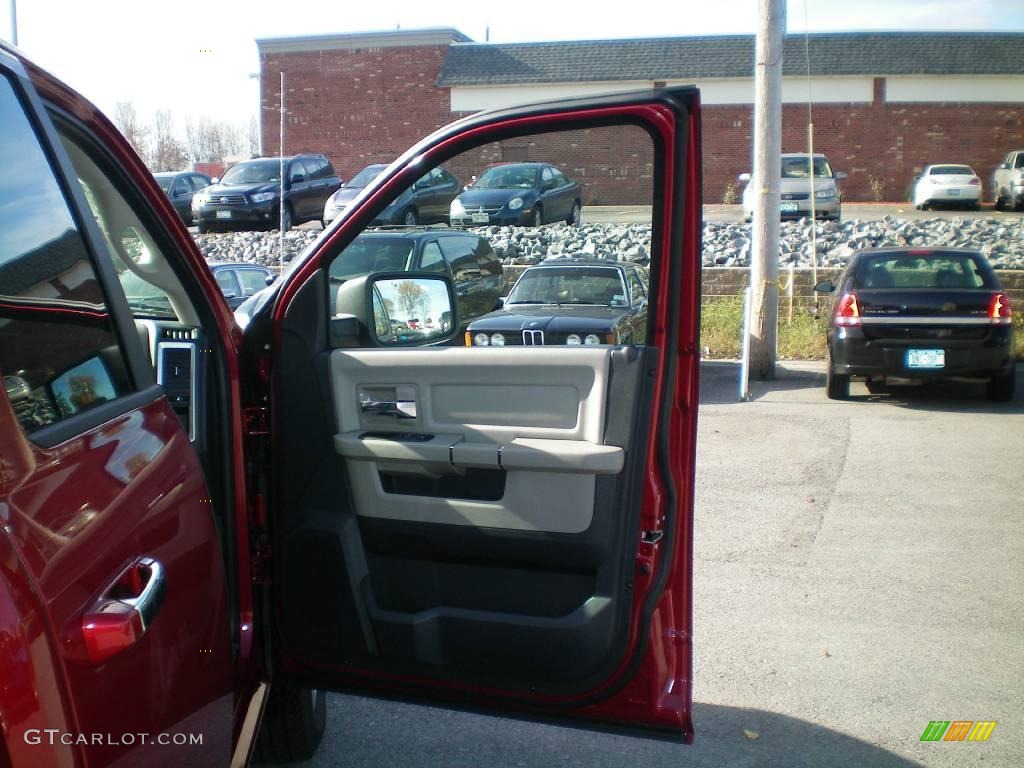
{"type": "Point", "coordinates": [982, 730]}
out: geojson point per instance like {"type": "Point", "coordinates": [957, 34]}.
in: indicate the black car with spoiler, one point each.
{"type": "Point", "coordinates": [570, 301]}
{"type": "Point", "coordinates": [919, 314]}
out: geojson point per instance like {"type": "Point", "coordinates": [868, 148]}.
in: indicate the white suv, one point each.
{"type": "Point", "coordinates": [1008, 182]}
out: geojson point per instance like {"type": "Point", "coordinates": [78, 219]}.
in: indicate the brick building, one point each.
{"type": "Point", "coordinates": [884, 104]}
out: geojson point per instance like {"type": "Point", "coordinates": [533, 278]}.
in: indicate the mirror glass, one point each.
{"type": "Point", "coordinates": [86, 385]}
{"type": "Point", "coordinates": [411, 310]}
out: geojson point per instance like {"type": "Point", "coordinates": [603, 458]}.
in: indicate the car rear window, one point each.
{"type": "Point", "coordinates": [372, 254]}
{"type": "Point", "coordinates": [923, 271]}
{"type": "Point", "coordinates": [952, 170]}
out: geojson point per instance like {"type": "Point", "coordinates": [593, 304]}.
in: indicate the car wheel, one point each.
{"type": "Point", "coordinates": [286, 221]}
{"type": "Point", "coordinates": [997, 204]}
{"type": "Point", "coordinates": [574, 217]}
{"type": "Point", "coordinates": [293, 725]}
{"type": "Point", "coordinates": [409, 219]}
{"type": "Point", "coordinates": [1001, 388]}
{"type": "Point", "coordinates": [538, 217]}
{"type": "Point", "coordinates": [203, 228]}
{"type": "Point", "coordinates": [837, 385]}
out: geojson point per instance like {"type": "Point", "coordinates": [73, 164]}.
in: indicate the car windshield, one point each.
{"type": "Point", "coordinates": [365, 176]}
{"type": "Point", "coordinates": [164, 180]}
{"type": "Point", "coordinates": [253, 172]}
{"type": "Point", "coordinates": [367, 255]}
{"type": "Point", "coordinates": [951, 170]}
{"type": "Point", "coordinates": [569, 285]}
{"type": "Point", "coordinates": [798, 168]}
{"type": "Point", "coordinates": [922, 271]}
{"type": "Point", "coordinates": [508, 177]}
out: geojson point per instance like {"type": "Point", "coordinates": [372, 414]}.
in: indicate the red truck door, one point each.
{"type": "Point", "coordinates": [114, 602]}
{"type": "Point", "coordinates": [514, 531]}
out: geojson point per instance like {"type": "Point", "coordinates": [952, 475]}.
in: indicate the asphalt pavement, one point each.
{"type": "Point", "coordinates": [858, 570]}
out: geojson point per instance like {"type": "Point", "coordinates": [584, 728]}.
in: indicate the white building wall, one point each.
{"type": "Point", "coordinates": [824, 90]}
{"type": "Point", "coordinates": [960, 88]}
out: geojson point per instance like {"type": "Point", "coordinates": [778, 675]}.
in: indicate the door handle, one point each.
{"type": "Point", "coordinates": [125, 611]}
{"type": "Point", "coordinates": [401, 409]}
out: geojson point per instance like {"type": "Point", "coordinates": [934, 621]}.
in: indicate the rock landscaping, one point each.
{"type": "Point", "coordinates": [725, 245]}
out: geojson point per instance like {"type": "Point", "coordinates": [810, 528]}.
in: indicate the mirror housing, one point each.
{"type": "Point", "coordinates": [297, 179]}
{"type": "Point", "coordinates": [744, 177]}
{"type": "Point", "coordinates": [841, 175]}
{"type": "Point", "coordinates": [229, 294]}
{"type": "Point", "coordinates": [421, 184]}
{"type": "Point", "coordinates": [824, 286]}
{"type": "Point", "coordinates": [269, 280]}
{"type": "Point", "coordinates": [365, 309]}
{"type": "Point", "coordinates": [214, 180]}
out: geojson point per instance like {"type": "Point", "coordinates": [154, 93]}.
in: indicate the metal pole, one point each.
{"type": "Point", "coordinates": [14, 22]}
{"type": "Point", "coordinates": [814, 214]}
{"type": "Point", "coordinates": [280, 239]}
{"type": "Point", "coordinates": [764, 265]}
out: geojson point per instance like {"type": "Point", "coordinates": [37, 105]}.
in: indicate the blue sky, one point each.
{"type": "Point", "coordinates": [194, 57]}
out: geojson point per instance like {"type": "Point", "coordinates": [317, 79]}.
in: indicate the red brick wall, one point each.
{"type": "Point", "coordinates": [357, 107]}
{"type": "Point", "coordinates": [367, 106]}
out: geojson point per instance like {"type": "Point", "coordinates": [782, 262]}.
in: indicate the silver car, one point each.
{"type": "Point", "coordinates": [796, 186]}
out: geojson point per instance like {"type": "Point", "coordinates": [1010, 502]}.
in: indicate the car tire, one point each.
{"type": "Point", "coordinates": [537, 219]}
{"type": "Point", "coordinates": [409, 218]}
{"type": "Point", "coordinates": [204, 229]}
{"type": "Point", "coordinates": [574, 215]}
{"type": "Point", "coordinates": [286, 223]}
{"type": "Point", "coordinates": [1001, 388]}
{"type": "Point", "coordinates": [293, 725]}
{"type": "Point", "coordinates": [837, 385]}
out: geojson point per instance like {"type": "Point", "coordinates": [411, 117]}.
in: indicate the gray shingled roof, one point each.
{"type": "Point", "coordinates": [685, 58]}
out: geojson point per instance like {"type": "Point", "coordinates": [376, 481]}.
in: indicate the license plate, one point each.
{"type": "Point", "coordinates": [788, 207]}
{"type": "Point", "coordinates": [926, 358]}
{"type": "Point", "coordinates": [954, 192]}
{"type": "Point", "coordinates": [223, 214]}
{"type": "Point", "coordinates": [481, 218]}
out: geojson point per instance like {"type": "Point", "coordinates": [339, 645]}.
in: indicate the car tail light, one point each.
{"type": "Point", "coordinates": [999, 310]}
{"type": "Point", "coordinates": [848, 311]}
{"type": "Point", "coordinates": [975, 181]}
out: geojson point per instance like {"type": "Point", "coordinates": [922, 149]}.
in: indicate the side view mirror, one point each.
{"type": "Point", "coordinates": [421, 184]}
{"type": "Point", "coordinates": [270, 278]}
{"type": "Point", "coordinates": [841, 174]}
{"type": "Point", "coordinates": [215, 180]}
{"type": "Point", "coordinates": [1004, 166]}
{"type": "Point", "coordinates": [825, 286]}
{"type": "Point", "coordinates": [385, 310]}
{"type": "Point", "coordinates": [500, 303]}
{"type": "Point", "coordinates": [297, 179]}
{"type": "Point", "coordinates": [744, 177]}
{"type": "Point", "coordinates": [229, 294]}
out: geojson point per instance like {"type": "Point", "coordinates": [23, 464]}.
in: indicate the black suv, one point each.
{"type": "Point", "coordinates": [472, 263]}
{"type": "Point", "coordinates": [247, 195]}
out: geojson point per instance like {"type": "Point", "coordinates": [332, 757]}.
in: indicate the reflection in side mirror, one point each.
{"type": "Point", "coordinates": [744, 177]}
{"type": "Point", "coordinates": [825, 286]}
{"type": "Point", "coordinates": [395, 309]}
{"type": "Point", "coordinates": [85, 385]}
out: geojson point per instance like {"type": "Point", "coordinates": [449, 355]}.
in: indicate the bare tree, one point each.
{"type": "Point", "coordinates": [254, 136]}
{"type": "Point", "coordinates": [168, 151]}
{"type": "Point", "coordinates": [207, 141]}
{"type": "Point", "coordinates": [127, 121]}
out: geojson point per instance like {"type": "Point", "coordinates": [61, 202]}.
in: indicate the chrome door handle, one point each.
{"type": "Point", "coordinates": [400, 409]}
{"type": "Point", "coordinates": [125, 611]}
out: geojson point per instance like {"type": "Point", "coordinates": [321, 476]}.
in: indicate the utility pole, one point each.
{"type": "Point", "coordinates": [14, 23]}
{"type": "Point", "coordinates": [764, 264]}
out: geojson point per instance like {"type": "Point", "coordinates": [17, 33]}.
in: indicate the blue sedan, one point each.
{"type": "Point", "coordinates": [518, 194]}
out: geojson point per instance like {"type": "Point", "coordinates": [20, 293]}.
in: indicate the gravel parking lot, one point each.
{"type": "Point", "coordinates": [858, 570]}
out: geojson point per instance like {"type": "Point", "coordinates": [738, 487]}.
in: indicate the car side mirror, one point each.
{"type": "Point", "coordinates": [825, 286]}
{"type": "Point", "coordinates": [297, 179]}
{"type": "Point", "coordinates": [1004, 166]}
{"type": "Point", "coordinates": [215, 180]}
{"type": "Point", "coordinates": [745, 177]}
{"type": "Point", "coordinates": [421, 184]}
{"type": "Point", "coordinates": [500, 303]}
{"type": "Point", "coordinates": [841, 174]}
{"type": "Point", "coordinates": [395, 309]}
{"type": "Point", "coordinates": [229, 293]}
{"type": "Point", "coordinates": [269, 279]}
